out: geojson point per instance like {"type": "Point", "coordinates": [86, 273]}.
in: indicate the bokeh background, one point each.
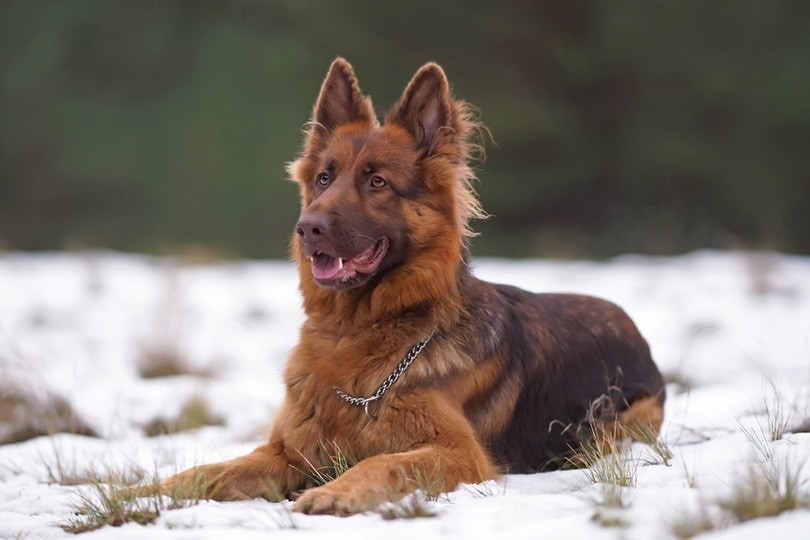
{"type": "Point", "coordinates": [620, 126]}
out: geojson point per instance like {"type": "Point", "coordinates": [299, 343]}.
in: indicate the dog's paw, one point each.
{"type": "Point", "coordinates": [337, 502]}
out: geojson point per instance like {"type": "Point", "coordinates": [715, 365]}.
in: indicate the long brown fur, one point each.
{"type": "Point", "coordinates": [506, 371]}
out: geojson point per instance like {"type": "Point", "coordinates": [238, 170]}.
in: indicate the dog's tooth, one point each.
{"type": "Point", "coordinates": [340, 264]}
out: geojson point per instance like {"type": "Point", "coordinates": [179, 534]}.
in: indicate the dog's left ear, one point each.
{"type": "Point", "coordinates": [340, 102]}
{"type": "Point", "coordinates": [425, 109]}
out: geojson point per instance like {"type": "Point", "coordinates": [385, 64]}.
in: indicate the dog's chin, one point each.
{"type": "Point", "coordinates": [338, 273]}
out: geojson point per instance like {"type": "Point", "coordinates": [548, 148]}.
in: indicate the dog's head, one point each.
{"type": "Point", "coordinates": [377, 199]}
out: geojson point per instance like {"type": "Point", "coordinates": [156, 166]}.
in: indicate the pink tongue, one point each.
{"type": "Point", "coordinates": [326, 267]}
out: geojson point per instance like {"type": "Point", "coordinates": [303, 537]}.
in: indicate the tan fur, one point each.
{"type": "Point", "coordinates": [646, 414]}
{"type": "Point", "coordinates": [493, 348]}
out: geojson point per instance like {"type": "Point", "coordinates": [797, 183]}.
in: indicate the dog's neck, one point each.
{"type": "Point", "coordinates": [427, 287]}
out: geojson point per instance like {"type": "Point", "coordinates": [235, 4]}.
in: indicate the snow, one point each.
{"type": "Point", "coordinates": [730, 329]}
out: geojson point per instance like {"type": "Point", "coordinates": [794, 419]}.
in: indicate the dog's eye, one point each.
{"type": "Point", "coordinates": [323, 179]}
{"type": "Point", "coordinates": [378, 182]}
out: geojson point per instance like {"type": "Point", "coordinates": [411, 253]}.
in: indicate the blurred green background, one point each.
{"type": "Point", "coordinates": [620, 126]}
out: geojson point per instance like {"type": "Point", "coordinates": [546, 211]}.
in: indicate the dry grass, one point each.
{"type": "Point", "coordinates": [606, 463]}
{"type": "Point", "coordinates": [763, 490]}
{"type": "Point", "coordinates": [194, 414]}
{"type": "Point", "coordinates": [767, 487]}
{"type": "Point", "coordinates": [648, 436]}
{"type": "Point", "coordinates": [612, 518]}
{"type": "Point", "coordinates": [164, 357]}
{"type": "Point", "coordinates": [25, 414]}
{"type": "Point", "coordinates": [106, 498]}
{"type": "Point", "coordinates": [109, 501]}
{"type": "Point", "coordinates": [490, 488]}
{"type": "Point", "coordinates": [689, 476]}
{"type": "Point", "coordinates": [420, 503]}
{"type": "Point", "coordinates": [689, 525]}
{"type": "Point", "coordinates": [283, 516]}
{"type": "Point", "coordinates": [615, 474]}
{"type": "Point", "coordinates": [430, 482]}
{"type": "Point", "coordinates": [413, 506]}
{"type": "Point", "coordinates": [778, 415]}
{"type": "Point", "coordinates": [158, 360]}
{"type": "Point", "coordinates": [603, 454]}
{"type": "Point", "coordinates": [161, 354]}
{"type": "Point", "coordinates": [768, 490]}
{"type": "Point", "coordinates": [758, 438]}
{"type": "Point", "coordinates": [340, 461]}
{"type": "Point", "coordinates": [64, 470]}
{"type": "Point", "coordinates": [59, 468]}
{"type": "Point", "coordinates": [778, 412]}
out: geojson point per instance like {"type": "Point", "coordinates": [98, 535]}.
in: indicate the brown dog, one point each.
{"type": "Point", "coordinates": [423, 374]}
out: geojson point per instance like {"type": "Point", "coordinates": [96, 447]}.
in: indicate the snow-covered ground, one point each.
{"type": "Point", "coordinates": [731, 330]}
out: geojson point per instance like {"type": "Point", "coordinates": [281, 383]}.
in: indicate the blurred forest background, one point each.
{"type": "Point", "coordinates": [620, 126]}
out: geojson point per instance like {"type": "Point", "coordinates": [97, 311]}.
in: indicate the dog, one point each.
{"type": "Point", "coordinates": [426, 376]}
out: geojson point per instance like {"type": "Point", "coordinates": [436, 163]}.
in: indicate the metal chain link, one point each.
{"type": "Point", "coordinates": [387, 383]}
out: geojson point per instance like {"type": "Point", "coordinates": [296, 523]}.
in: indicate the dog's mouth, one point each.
{"type": "Point", "coordinates": [330, 271]}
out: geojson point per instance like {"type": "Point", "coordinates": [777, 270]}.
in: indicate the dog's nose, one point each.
{"type": "Point", "coordinates": [312, 226]}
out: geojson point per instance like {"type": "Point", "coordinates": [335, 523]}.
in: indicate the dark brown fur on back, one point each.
{"type": "Point", "coordinates": [508, 376]}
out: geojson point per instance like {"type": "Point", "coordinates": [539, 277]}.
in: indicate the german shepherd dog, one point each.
{"type": "Point", "coordinates": [407, 362]}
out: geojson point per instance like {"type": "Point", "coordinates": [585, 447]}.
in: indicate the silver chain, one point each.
{"type": "Point", "coordinates": [392, 378]}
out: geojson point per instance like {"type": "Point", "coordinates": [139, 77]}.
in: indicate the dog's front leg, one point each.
{"type": "Point", "coordinates": [434, 468]}
{"type": "Point", "coordinates": [265, 472]}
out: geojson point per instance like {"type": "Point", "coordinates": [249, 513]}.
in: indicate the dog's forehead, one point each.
{"type": "Point", "coordinates": [360, 145]}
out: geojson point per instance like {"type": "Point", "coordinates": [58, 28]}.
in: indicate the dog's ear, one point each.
{"type": "Point", "coordinates": [425, 109]}
{"type": "Point", "coordinates": [341, 101]}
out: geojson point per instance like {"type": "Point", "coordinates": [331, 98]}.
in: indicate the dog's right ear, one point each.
{"type": "Point", "coordinates": [426, 109]}
{"type": "Point", "coordinates": [340, 102]}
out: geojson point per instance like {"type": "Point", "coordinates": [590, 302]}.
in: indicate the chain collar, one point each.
{"type": "Point", "coordinates": [392, 378]}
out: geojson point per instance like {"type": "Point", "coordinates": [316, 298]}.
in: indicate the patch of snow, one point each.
{"type": "Point", "coordinates": [727, 329]}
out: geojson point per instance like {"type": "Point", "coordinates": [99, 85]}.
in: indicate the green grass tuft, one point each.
{"type": "Point", "coordinates": [607, 465]}
{"type": "Point", "coordinates": [689, 525]}
{"type": "Point", "coordinates": [763, 490]}
{"type": "Point", "coordinates": [195, 413]}
{"type": "Point", "coordinates": [109, 501]}
{"type": "Point", "coordinates": [414, 506]}
{"type": "Point", "coordinates": [611, 518]}
{"type": "Point", "coordinates": [768, 489]}
{"type": "Point", "coordinates": [339, 461]}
